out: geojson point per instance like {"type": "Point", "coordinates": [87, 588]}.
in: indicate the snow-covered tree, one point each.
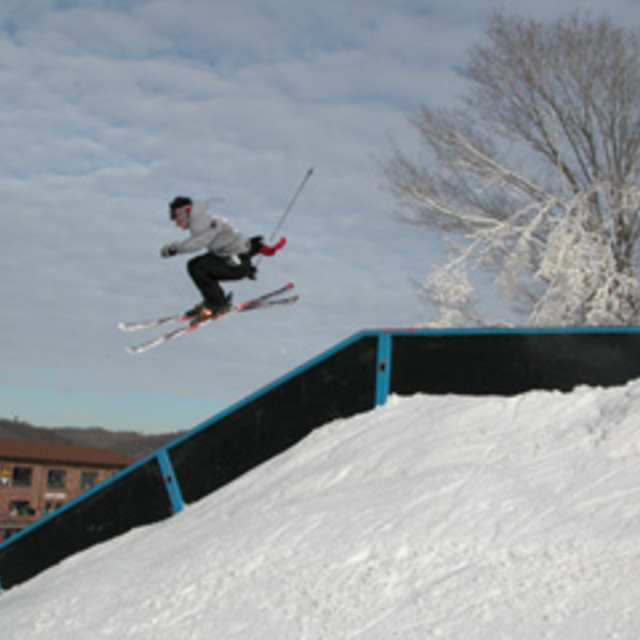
{"type": "Point", "coordinates": [536, 173]}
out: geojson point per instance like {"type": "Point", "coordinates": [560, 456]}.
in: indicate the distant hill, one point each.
{"type": "Point", "coordinates": [129, 443]}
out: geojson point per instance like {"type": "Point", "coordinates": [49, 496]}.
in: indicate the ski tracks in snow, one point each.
{"type": "Point", "coordinates": [429, 518]}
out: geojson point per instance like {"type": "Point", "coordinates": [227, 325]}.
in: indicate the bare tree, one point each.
{"type": "Point", "coordinates": [536, 172]}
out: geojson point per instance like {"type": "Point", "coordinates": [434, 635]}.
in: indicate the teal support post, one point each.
{"type": "Point", "coordinates": [383, 369]}
{"type": "Point", "coordinates": [170, 481]}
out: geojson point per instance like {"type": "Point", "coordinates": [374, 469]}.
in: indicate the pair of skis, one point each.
{"type": "Point", "coordinates": [265, 301]}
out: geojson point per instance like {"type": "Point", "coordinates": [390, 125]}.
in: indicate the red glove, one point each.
{"type": "Point", "coordinates": [267, 250]}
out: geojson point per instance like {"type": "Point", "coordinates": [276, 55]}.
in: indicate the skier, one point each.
{"type": "Point", "coordinates": [228, 255]}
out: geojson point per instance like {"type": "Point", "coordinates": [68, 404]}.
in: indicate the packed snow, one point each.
{"type": "Point", "coordinates": [431, 517]}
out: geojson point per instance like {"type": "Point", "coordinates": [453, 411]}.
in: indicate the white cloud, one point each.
{"type": "Point", "coordinates": [110, 108]}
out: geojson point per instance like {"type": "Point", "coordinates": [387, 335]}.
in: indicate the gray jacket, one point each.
{"type": "Point", "coordinates": [212, 233]}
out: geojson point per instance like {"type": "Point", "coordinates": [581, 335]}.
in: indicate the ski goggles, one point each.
{"type": "Point", "coordinates": [181, 214]}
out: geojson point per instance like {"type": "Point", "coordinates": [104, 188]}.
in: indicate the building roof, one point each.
{"type": "Point", "coordinates": [49, 452]}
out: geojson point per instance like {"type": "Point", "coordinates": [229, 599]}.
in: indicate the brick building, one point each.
{"type": "Point", "coordinates": [39, 477]}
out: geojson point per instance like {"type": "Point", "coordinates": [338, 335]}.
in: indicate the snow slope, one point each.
{"type": "Point", "coordinates": [431, 517]}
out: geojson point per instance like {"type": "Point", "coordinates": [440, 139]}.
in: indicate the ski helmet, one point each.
{"type": "Point", "coordinates": [179, 202]}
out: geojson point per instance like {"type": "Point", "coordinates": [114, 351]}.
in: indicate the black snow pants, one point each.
{"type": "Point", "coordinates": [208, 270]}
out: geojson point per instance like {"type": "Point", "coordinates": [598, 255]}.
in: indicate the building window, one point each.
{"type": "Point", "coordinates": [6, 533]}
{"type": "Point", "coordinates": [88, 479]}
{"type": "Point", "coordinates": [21, 508]}
{"type": "Point", "coordinates": [22, 476]}
{"type": "Point", "coordinates": [51, 506]}
{"type": "Point", "coordinates": [56, 478]}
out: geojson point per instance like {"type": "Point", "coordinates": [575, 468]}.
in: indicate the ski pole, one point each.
{"type": "Point", "coordinates": [288, 209]}
{"type": "Point", "coordinates": [290, 205]}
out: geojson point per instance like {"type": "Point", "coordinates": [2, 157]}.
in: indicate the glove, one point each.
{"type": "Point", "coordinates": [266, 250]}
{"type": "Point", "coordinates": [255, 243]}
{"type": "Point", "coordinates": [168, 250]}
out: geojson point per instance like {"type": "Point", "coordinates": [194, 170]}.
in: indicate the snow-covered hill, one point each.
{"type": "Point", "coordinates": [431, 517]}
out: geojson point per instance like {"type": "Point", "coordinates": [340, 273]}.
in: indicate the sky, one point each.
{"type": "Point", "coordinates": [430, 517]}
{"type": "Point", "coordinates": [111, 108]}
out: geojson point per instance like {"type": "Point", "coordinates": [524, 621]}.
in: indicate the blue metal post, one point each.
{"type": "Point", "coordinates": [170, 480]}
{"type": "Point", "coordinates": [383, 370]}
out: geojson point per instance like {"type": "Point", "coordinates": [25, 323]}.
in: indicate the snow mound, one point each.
{"type": "Point", "coordinates": [431, 517]}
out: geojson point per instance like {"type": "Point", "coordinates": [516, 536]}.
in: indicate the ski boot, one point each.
{"type": "Point", "coordinates": [209, 312]}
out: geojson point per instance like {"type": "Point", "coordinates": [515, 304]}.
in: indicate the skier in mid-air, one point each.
{"type": "Point", "coordinates": [228, 255]}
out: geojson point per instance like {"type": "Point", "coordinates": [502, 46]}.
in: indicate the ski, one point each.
{"type": "Point", "coordinates": [155, 322]}
{"type": "Point", "coordinates": [265, 301]}
{"type": "Point", "coordinates": [185, 317]}
{"type": "Point", "coordinates": [192, 326]}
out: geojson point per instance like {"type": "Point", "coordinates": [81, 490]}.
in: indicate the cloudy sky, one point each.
{"type": "Point", "coordinates": [109, 108]}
